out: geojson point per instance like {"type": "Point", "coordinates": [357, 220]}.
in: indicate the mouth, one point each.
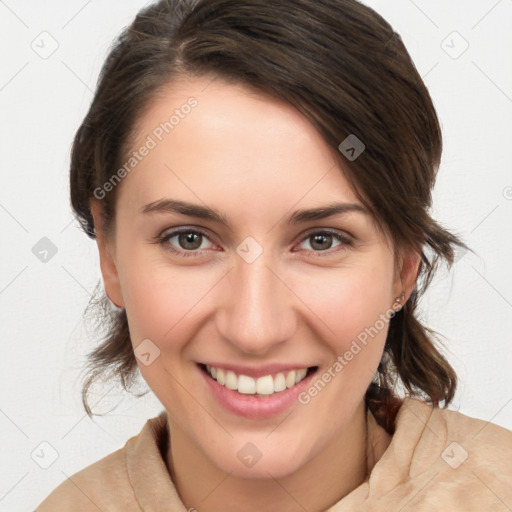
{"type": "Point", "coordinates": [261, 387]}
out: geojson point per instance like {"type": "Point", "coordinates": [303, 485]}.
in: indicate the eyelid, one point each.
{"type": "Point", "coordinates": [166, 235]}
{"type": "Point", "coordinates": [343, 237]}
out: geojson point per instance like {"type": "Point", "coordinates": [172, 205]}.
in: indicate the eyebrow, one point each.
{"type": "Point", "coordinates": [206, 213]}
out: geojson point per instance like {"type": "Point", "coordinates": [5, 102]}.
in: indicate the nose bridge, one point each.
{"type": "Point", "coordinates": [257, 312]}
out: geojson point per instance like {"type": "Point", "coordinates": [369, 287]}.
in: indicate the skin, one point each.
{"type": "Point", "coordinates": [256, 160]}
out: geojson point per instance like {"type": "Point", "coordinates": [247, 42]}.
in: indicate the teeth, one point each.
{"type": "Point", "coordinates": [300, 375]}
{"type": "Point", "coordinates": [267, 385]}
{"type": "Point", "coordinates": [279, 382]}
{"type": "Point", "coordinates": [246, 385]}
{"type": "Point", "coordinates": [231, 381]}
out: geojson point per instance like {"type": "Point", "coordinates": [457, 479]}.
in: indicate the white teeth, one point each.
{"type": "Point", "coordinates": [266, 385]}
{"type": "Point", "coordinates": [246, 385]}
{"type": "Point", "coordinates": [300, 375]}
{"type": "Point", "coordinates": [231, 380]}
{"type": "Point", "coordinates": [290, 379]}
{"type": "Point", "coordinates": [279, 382]}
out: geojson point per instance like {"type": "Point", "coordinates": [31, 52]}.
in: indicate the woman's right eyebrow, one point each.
{"type": "Point", "coordinates": [207, 213]}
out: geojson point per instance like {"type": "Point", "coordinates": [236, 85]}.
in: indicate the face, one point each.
{"type": "Point", "coordinates": [256, 289]}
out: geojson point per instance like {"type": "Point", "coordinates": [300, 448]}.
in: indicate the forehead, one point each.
{"type": "Point", "coordinates": [218, 142]}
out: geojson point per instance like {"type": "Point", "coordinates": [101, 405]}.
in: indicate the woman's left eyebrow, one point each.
{"type": "Point", "coordinates": [207, 213]}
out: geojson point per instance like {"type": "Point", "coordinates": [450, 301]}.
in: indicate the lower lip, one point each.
{"type": "Point", "coordinates": [253, 407]}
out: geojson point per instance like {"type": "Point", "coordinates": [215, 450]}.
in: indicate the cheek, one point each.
{"type": "Point", "coordinates": [161, 301]}
{"type": "Point", "coordinates": [349, 304]}
{"type": "Point", "coordinates": [348, 298]}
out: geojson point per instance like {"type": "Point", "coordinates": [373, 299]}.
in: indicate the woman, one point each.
{"type": "Point", "coordinates": [257, 176]}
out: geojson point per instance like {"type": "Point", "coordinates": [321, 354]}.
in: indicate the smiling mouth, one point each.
{"type": "Point", "coordinates": [264, 386]}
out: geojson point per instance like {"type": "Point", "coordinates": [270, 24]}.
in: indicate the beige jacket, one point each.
{"type": "Point", "coordinates": [438, 460]}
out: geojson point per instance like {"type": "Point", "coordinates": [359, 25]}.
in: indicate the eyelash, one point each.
{"type": "Point", "coordinates": [344, 240]}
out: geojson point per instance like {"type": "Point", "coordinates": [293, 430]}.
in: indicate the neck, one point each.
{"type": "Point", "coordinates": [339, 468]}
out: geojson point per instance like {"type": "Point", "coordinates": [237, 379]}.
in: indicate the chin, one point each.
{"type": "Point", "coordinates": [255, 459]}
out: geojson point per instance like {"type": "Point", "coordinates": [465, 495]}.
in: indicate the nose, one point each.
{"type": "Point", "coordinates": [256, 311]}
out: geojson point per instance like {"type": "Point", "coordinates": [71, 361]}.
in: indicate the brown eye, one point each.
{"type": "Point", "coordinates": [188, 242]}
{"type": "Point", "coordinates": [322, 241]}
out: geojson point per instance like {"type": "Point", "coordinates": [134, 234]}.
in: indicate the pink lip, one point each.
{"type": "Point", "coordinates": [253, 407]}
{"type": "Point", "coordinates": [260, 371]}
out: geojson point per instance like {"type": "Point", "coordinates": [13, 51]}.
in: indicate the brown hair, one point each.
{"type": "Point", "coordinates": [340, 64]}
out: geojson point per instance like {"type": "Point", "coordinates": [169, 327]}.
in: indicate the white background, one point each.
{"type": "Point", "coordinates": [42, 102]}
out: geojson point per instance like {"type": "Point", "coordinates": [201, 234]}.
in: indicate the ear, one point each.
{"type": "Point", "coordinates": [106, 248]}
{"type": "Point", "coordinates": [407, 273]}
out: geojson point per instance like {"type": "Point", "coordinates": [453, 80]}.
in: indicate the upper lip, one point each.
{"type": "Point", "coordinates": [257, 371]}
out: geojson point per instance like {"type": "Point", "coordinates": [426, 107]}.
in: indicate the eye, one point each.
{"type": "Point", "coordinates": [322, 241]}
{"type": "Point", "coordinates": [189, 242]}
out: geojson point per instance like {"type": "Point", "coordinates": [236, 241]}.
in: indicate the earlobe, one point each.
{"type": "Point", "coordinates": [106, 250]}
